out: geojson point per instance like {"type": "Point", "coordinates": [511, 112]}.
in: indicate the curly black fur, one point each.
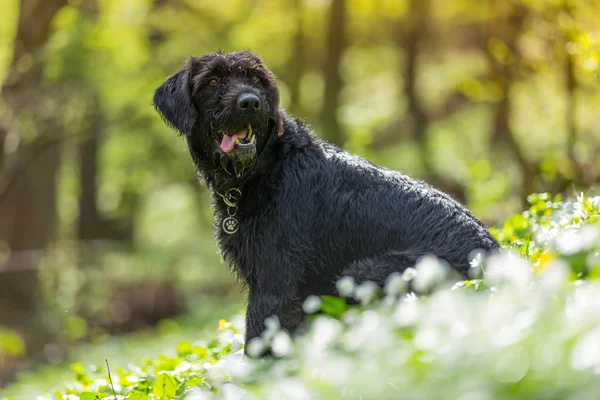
{"type": "Point", "coordinates": [310, 212]}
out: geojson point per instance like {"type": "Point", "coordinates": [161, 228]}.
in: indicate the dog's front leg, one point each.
{"type": "Point", "coordinates": [267, 301]}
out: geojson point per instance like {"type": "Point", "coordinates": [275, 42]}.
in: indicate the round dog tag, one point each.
{"type": "Point", "coordinates": [230, 225]}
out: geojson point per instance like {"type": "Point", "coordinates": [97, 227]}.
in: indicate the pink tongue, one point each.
{"type": "Point", "coordinates": [228, 142]}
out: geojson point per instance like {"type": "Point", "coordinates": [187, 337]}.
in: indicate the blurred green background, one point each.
{"type": "Point", "coordinates": [104, 228]}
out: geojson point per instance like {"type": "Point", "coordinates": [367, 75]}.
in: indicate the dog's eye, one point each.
{"type": "Point", "coordinates": [255, 79]}
{"type": "Point", "coordinates": [212, 83]}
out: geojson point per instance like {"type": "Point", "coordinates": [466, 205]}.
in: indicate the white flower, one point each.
{"type": "Point", "coordinates": [429, 272]}
{"type": "Point", "coordinates": [409, 274]}
{"type": "Point", "coordinates": [272, 327]}
{"type": "Point", "coordinates": [574, 241]}
{"type": "Point", "coordinates": [198, 395]}
{"type": "Point", "coordinates": [345, 286]}
{"type": "Point", "coordinates": [366, 292]}
{"type": "Point", "coordinates": [282, 344]}
{"type": "Point", "coordinates": [290, 389]}
{"type": "Point", "coordinates": [312, 304]}
{"type": "Point", "coordinates": [217, 373]}
{"type": "Point", "coordinates": [586, 352]}
{"type": "Point", "coordinates": [407, 313]}
{"type": "Point", "coordinates": [232, 392]}
{"type": "Point", "coordinates": [325, 331]}
{"type": "Point", "coordinates": [395, 284]}
{"type": "Point", "coordinates": [237, 342]}
{"type": "Point", "coordinates": [255, 347]}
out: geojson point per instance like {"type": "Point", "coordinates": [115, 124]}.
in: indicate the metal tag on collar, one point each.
{"type": "Point", "coordinates": [232, 197]}
{"type": "Point", "coordinates": [230, 225]}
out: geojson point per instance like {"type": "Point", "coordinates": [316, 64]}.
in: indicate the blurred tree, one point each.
{"type": "Point", "coordinates": [503, 32]}
{"type": "Point", "coordinates": [88, 222]}
{"type": "Point", "coordinates": [336, 43]}
{"type": "Point", "coordinates": [410, 39]}
{"type": "Point", "coordinates": [297, 63]}
{"type": "Point", "coordinates": [31, 143]}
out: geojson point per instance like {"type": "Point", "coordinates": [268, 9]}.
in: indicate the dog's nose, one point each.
{"type": "Point", "coordinates": [248, 102]}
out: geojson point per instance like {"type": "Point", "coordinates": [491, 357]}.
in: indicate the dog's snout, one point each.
{"type": "Point", "coordinates": [248, 102]}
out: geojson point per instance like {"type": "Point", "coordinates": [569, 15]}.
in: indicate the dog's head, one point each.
{"type": "Point", "coordinates": [227, 106]}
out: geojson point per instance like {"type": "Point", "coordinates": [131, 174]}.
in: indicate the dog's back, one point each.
{"type": "Point", "coordinates": [346, 209]}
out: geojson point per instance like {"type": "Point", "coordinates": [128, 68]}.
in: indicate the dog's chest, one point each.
{"type": "Point", "coordinates": [252, 239]}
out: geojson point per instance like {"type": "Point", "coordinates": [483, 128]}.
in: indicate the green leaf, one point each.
{"type": "Point", "coordinates": [137, 395]}
{"type": "Point", "coordinates": [200, 351]}
{"type": "Point", "coordinates": [165, 385]}
{"type": "Point", "coordinates": [194, 381]}
{"type": "Point", "coordinates": [333, 306]}
{"type": "Point", "coordinates": [184, 349]}
{"type": "Point", "coordinates": [88, 396]}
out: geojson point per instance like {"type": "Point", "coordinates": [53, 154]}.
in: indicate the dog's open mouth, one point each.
{"type": "Point", "coordinates": [242, 139]}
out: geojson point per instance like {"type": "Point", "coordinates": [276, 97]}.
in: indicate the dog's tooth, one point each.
{"type": "Point", "coordinates": [237, 141]}
{"type": "Point", "coordinates": [249, 130]}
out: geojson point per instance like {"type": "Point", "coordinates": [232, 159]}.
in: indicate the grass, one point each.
{"type": "Point", "coordinates": [121, 351]}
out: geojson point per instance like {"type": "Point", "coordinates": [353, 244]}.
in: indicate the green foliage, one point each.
{"type": "Point", "coordinates": [11, 344]}
{"type": "Point", "coordinates": [528, 329]}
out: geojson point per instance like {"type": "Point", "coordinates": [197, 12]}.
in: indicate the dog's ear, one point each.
{"type": "Point", "coordinates": [173, 100]}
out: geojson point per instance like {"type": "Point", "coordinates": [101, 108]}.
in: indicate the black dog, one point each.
{"type": "Point", "coordinates": [294, 213]}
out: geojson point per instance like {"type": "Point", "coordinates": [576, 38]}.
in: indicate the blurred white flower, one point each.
{"type": "Point", "coordinates": [572, 241]}
{"type": "Point", "coordinates": [427, 339]}
{"type": "Point", "coordinates": [198, 394]}
{"type": "Point", "coordinates": [345, 286]}
{"type": "Point", "coordinates": [238, 323]}
{"type": "Point", "coordinates": [255, 347]}
{"type": "Point", "coordinates": [476, 264]}
{"type": "Point", "coordinates": [217, 374]}
{"type": "Point", "coordinates": [476, 261]}
{"type": "Point", "coordinates": [325, 330]}
{"type": "Point", "coordinates": [512, 365]}
{"type": "Point", "coordinates": [232, 392]}
{"type": "Point", "coordinates": [290, 389]}
{"type": "Point", "coordinates": [586, 351]}
{"type": "Point", "coordinates": [237, 342]}
{"type": "Point", "coordinates": [282, 344]}
{"type": "Point", "coordinates": [509, 268]}
{"type": "Point", "coordinates": [555, 275]}
{"type": "Point", "coordinates": [366, 292]}
{"type": "Point", "coordinates": [312, 304]}
{"type": "Point", "coordinates": [407, 313]}
{"type": "Point", "coordinates": [547, 354]}
{"type": "Point", "coordinates": [272, 327]}
{"type": "Point", "coordinates": [429, 272]}
{"type": "Point", "coordinates": [395, 284]}
{"type": "Point", "coordinates": [237, 366]}
{"type": "Point", "coordinates": [595, 201]}
{"type": "Point", "coordinates": [409, 274]}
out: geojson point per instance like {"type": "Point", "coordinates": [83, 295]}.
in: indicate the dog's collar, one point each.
{"type": "Point", "coordinates": [231, 198]}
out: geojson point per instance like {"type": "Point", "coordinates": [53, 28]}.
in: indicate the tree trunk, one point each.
{"type": "Point", "coordinates": [28, 197]}
{"type": "Point", "coordinates": [411, 35]}
{"type": "Point", "coordinates": [411, 41]}
{"type": "Point", "coordinates": [88, 223]}
{"type": "Point", "coordinates": [507, 30]}
{"type": "Point", "coordinates": [296, 63]}
{"type": "Point", "coordinates": [332, 129]}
